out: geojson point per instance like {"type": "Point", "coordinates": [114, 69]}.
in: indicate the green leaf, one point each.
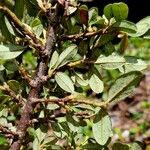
{"type": "Point", "coordinates": [81, 79]}
{"type": "Point", "coordinates": [2, 67]}
{"type": "Point", "coordinates": [11, 65]}
{"type": "Point", "coordinates": [94, 18]}
{"type": "Point", "coordinates": [126, 26]}
{"type": "Point", "coordinates": [56, 129]}
{"type": "Point", "coordinates": [94, 146]}
{"type": "Point", "coordinates": [9, 26]}
{"type": "Point", "coordinates": [133, 64]}
{"type": "Point", "coordinates": [142, 27]}
{"type": "Point", "coordinates": [120, 11]}
{"type": "Point", "coordinates": [19, 8]}
{"type": "Point", "coordinates": [36, 144]}
{"type": "Point", "coordinates": [124, 86]}
{"type": "Point", "coordinates": [54, 60]}
{"type": "Point", "coordinates": [104, 39]}
{"type": "Point", "coordinates": [110, 62]}
{"type": "Point", "coordinates": [117, 10]}
{"type": "Point", "coordinates": [14, 85]}
{"type": "Point", "coordinates": [52, 106]}
{"type": "Point", "coordinates": [83, 47]}
{"type": "Point", "coordinates": [136, 146]}
{"type": "Point", "coordinates": [72, 122]}
{"type": "Point", "coordinates": [96, 84]}
{"type": "Point", "coordinates": [67, 55]}
{"type": "Point", "coordinates": [108, 11]}
{"type": "Point", "coordinates": [3, 140]}
{"type": "Point", "coordinates": [120, 146]}
{"type": "Point", "coordinates": [64, 82]}
{"type": "Point", "coordinates": [10, 51]}
{"type": "Point", "coordinates": [37, 26]}
{"type": "Point", "coordinates": [4, 99]}
{"type": "Point", "coordinates": [102, 129]}
{"type": "Point", "coordinates": [4, 30]}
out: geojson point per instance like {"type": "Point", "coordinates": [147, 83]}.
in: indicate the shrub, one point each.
{"type": "Point", "coordinates": [55, 61]}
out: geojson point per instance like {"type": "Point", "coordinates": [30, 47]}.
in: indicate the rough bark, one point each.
{"type": "Point", "coordinates": [36, 86]}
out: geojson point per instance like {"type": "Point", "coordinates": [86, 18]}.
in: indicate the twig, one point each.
{"type": "Point", "coordinates": [6, 131]}
{"type": "Point", "coordinates": [82, 35]}
{"type": "Point", "coordinates": [72, 99]}
{"type": "Point", "coordinates": [24, 74]}
{"type": "Point", "coordinates": [37, 43]}
{"type": "Point", "coordinates": [12, 94]}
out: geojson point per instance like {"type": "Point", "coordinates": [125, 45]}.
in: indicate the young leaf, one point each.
{"type": "Point", "coordinates": [96, 84]}
{"type": "Point", "coordinates": [67, 55]}
{"type": "Point", "coordinates": [37, 26]}
{"type": "Point", "coordinates": [94, 18]}
{"type": "Point", "coordinates": [108, 11]}
{"type": "Point", "coordinates": [120, 11]}
{"type": "Point", "coordinates": [10, 51]}
{"type": "Point", "coordinates": [117, 10]}
{"type": "Point", "coordinates": [64, 82]}
{"type": "Point", "coordinates": [124, 86]}
{"type": "Point", "coordinates": [110, 62]}
{"type": "Point", "coordinates": [102, 128]}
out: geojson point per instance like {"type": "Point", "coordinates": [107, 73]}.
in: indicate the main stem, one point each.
{"type": "Point", "coordinates": [24, 122]}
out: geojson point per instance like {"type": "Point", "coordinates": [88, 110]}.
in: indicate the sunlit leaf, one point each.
{"type": "Point", "coordinates": [67, 55]}
{"type": "Point", "coordinates": [96, 84]}
{"type": "Point", "coordinates": [54, 60]}
{"type": "Point", "coordinates": [64, 82]}
{"type": "Point", "coordinates": [9, 26]}
{"type": "Point", "coordinates": [124, 86]}
{"type": "Point", "coordinates": [126, 26]}
{"type": "Point", "coordinates": [10, 51]}
{"type": "Point", "coordinates": [102, 129]}
{"type": "Point", "coordinates": [110, 62]}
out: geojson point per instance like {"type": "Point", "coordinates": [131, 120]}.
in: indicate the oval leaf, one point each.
{"type": "Point", "coordinates": [54, 60]}
{"type": "Point", "coordinates": [64, 82]}
{"type": "Point", "coordinates": [108, 11]}
{"type": "Point", "coordinates": [96, 84]}
{"type": "Point", "coordinates": [67, 55]}
{"type": "Point", "coordinates": [124, 86]}
{"type": "Point", "coordinates": [110, 62]}
{"type": "Point", "coordinates": [10, 51]}
{"type": "Point", "coordinates": [120, 11]}
{"type": "Point", "coordinates": [126, 26]}
{"type": "Point", "coordinates": [102, 128]}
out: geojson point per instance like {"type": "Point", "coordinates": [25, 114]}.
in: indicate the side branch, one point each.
{"type": "Point", "coordinates": [6, 131]}
{"type": "Point", "coordinates": [12, 94]}
{"type": "Point", "coordinates": [72, 100]}
{"type": "Point", "coordinates": [37, 43]}
{"type": "Point", "coordinates": [82, 35]}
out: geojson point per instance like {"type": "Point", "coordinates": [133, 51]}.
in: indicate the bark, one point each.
{"type": "Point", "coordinates": [37, 84]}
